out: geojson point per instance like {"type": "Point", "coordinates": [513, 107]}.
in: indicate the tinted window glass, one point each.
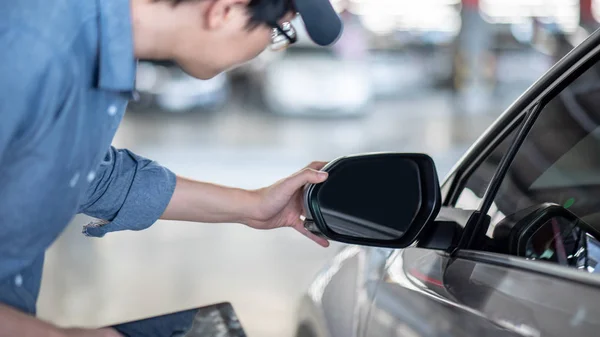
{"type": "Point", "coordinates": [559, 161]}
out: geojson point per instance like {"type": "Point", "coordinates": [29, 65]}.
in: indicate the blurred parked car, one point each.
{"type": "Point", "coordinates": [311, 81]}
{"type": "Point", "coordinates": [165, 86]}
{"type": "Point", "coordinates": [514, 249]}
{"type": "Point", "coordinates": [255, 67]}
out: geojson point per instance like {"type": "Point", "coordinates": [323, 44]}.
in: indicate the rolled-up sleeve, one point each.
{"type": "Point", "coordinates": [129, 192]}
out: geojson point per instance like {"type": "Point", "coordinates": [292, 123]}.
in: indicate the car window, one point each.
{"type": "Point", "coordinates": [559, 162]}
{"type": "Point", "coordinates": [475, 186]}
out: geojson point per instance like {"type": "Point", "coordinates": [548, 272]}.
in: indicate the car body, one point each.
{"type": "Point", "coordinates": [544, 149]}
{"type": "Point", "coordinates": [311, 82]}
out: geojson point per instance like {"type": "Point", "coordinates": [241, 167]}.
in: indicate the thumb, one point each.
{"type": "Point", "coordinates": [307, 176]}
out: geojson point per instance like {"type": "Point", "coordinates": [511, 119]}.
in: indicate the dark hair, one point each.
{"type": "Point", "coordinates": [269, 11]}
{"type": "Point", "coordinates": [261, 11]}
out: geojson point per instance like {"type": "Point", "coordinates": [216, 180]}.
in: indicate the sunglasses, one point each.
{"type": "Point", "coordinates": [282, 36]}
{"type": "Point", "coordinates": [271, 13]}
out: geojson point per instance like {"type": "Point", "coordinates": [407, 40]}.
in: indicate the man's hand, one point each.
{"type": "Point", "coordinates": [276, 206]}
{"type": "Point", "coordinates": [280, 205]}
{"type": "Point", "coordinates": [90, 333]}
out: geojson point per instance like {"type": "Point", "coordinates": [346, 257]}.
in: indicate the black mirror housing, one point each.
{"type": "Point", "coordinates": [513, 233]}
{"type": "Point", "coordinates": [378, 199]}
{"type": "Point", "coordinates": [527, 223]}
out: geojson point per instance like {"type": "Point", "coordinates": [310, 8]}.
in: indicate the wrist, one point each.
{"type": "Point", "coordinates": [249, 211]}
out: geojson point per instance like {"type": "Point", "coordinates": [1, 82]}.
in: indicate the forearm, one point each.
{"type": "Point", "coordinates": [17, 324]}
{"type": "Point", "coordinates": [209, 203]}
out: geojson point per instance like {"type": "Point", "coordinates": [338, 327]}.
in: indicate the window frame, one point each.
{"type": "Point", "coordinates": [533, 101]}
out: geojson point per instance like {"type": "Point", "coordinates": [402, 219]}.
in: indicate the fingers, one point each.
{"type": "Point", "coordinates": [307, 176]}
{"type": "Point", "coordinates": [317, 239]}
{"type": "Point", "coordinates": [317, 165]}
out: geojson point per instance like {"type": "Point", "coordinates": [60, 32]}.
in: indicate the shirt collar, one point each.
{"type": "Point", "coordinates": [117, 64]}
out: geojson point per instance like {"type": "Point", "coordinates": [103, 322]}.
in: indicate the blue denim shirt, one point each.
{"type": "Point", "coordinates": [67, 71]}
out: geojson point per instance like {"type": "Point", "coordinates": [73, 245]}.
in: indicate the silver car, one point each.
{"type": "Point", "coordinates": [512, 248]}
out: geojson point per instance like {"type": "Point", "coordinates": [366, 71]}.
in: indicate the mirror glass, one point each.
{"type": "Point", "coordinates": [563, 241]}
{"type": "Point", "coordinates": [372, 198]}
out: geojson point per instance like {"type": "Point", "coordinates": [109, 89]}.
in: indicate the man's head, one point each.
{"type": "Point", "coordinates": [207, 37]}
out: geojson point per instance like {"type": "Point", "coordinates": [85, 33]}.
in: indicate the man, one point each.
{"type": "Point", "coordinates": [67, 70]}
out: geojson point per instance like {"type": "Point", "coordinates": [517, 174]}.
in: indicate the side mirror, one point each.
{"type": "Point", "coordinates": [549, 232]}
{"type": "Point", "coordinates": [381, 199]}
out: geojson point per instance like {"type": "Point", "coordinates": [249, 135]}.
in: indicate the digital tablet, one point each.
{"type": "Point", "coordinates": [217, 320]}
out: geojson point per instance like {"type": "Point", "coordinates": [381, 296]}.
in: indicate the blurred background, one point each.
{"type": "Point", "coordinates": [411, 76]}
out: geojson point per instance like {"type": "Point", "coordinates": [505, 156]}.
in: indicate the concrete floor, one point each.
{"type": "Point", "coordinates": [174, 266]}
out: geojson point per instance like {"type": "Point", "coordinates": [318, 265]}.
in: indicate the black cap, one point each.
{"type": "Point", "coordinates": [322, 23]}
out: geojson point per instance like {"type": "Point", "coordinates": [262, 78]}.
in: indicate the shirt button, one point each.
{"type": "Point", "coordinates": [18, 280]}
{"type": "Point", "coordinates": [112, 110]}
{"type": "Point", "coordinates": [74, 180]}
{"type": "Point", "coordinates": [91, 176]}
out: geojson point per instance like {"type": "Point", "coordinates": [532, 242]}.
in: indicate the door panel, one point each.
{"type": "Point", "coordinates": [412, 300]}
{"type": "Point", "coordinates": [338, 301]}
{"type": "Point", "coordinates": [531, 302]}
{"type": "Point", "coordinates": [424, 293]}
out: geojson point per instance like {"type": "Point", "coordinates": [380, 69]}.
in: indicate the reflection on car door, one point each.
{"type": "Point", "coordinates": [413, 300]}
{"type": "Point", "coordinates": [425, 293]}
{"type": "Point", "coordinates": [535, 298]}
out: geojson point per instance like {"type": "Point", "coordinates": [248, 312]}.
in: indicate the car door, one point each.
{"type": "Point", "coordinates": [544, 153]}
